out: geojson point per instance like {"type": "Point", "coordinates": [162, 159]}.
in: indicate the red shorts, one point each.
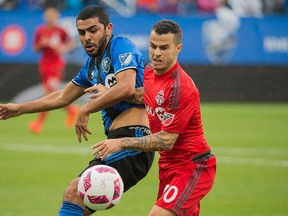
{"type": "Point", "coordinates": [181, 189]}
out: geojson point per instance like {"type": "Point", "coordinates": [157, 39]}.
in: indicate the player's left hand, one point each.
{"type": "Point", "coordinates": [97, 90]}
{"type": "Point", "coordinates": [106, 147]}
{"type": "Point", "coordinates": [81, 125]}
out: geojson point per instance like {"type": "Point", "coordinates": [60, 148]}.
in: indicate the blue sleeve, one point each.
{"type": "Point", "coordinates": [125, 55]}
{"type": "Point", "coordinates": [82, 78]}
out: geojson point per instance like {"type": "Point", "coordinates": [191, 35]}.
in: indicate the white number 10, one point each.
{"type": "Point", "coordinates": [170, 193]}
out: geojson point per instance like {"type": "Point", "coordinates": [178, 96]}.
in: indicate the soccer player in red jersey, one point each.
{"type": "Point", "coordinates": [52, 41]}
{"type": "Point", "coordinates": [187, 168]}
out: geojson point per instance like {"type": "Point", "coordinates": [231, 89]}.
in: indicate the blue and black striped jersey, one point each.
{"type": "Point", "coordinates": [120, 54]}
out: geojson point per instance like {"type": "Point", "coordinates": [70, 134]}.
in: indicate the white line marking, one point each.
{"type": "Point", "coordinates": [252, 151]}
{"type": "Point", "coordinates": [253, 161]}
{"type": "Point", "coordinates": [232, 159]}
{"type": "Point", "coordinates": [46, 149]}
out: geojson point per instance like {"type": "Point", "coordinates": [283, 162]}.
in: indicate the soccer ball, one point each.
{"type": "Point", "coordinates": [101, 187]}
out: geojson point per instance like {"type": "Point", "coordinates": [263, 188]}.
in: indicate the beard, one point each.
{"type": "Point", "coordinates": [102, 46]}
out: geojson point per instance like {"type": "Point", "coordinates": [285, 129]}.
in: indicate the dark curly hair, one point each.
{"type": "Point", "coordinates": [92, 12]}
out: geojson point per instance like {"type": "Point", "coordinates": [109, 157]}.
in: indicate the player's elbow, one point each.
{"type": "Point", "coordinates": [129, 91]}
{"type": "Point", "coordinates": [167, 140]}
{"type": "Point", "coordinates": [168, 146]}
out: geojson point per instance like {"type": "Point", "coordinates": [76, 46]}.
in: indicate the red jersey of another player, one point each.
{"type": "Point", "coordinates": [51, 63]}
{"type": "Point", "coordinates": [55, 37]}
{"type": "Point", "coordinates": [173, 105]}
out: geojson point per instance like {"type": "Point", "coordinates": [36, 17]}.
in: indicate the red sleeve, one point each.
{"type": "Point", "coordinates": [36, 36]}
{"type": "Point", "coordinates": [65, 36]}
{"type": "Point", "coordinates": [181, 106]}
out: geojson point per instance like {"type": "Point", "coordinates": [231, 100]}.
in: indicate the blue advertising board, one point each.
{"type": "Point", "coordinates": [207, 40]}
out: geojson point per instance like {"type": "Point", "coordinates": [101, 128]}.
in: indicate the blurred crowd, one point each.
{"type": "Point", "coordinates": [178, 7]}
{"type": "Point", "coordinates": [241, 7]}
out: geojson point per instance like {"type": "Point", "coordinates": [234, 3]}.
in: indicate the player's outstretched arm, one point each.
{"type": "Point", "coordinates": [155, 142]}
{"type": "Point", "coordinates": [13, 110]}
{"type": "Point", "coordinates": [55, 100]}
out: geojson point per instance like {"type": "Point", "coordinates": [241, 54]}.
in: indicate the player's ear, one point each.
{"type": "Point", "coordinates": [178, 48]}
{"type": "Point", "coordinates": [109, 29]}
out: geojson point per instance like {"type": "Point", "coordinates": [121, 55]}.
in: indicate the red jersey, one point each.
{"type": "Point", "coordinates": [56, 37]}
{"type": "Point", "coordinates": [173, 105]}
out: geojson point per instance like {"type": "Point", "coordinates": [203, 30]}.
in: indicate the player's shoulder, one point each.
{"type": "Point", "coordinates": [121, 41]}
{"type": "Point", "coordinates": [185, 79]}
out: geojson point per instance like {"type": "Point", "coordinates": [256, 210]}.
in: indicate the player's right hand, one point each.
{"type": "Point", "coordinates": [9, 110]}
{"type": "Point", "coordinates": [81, 125]}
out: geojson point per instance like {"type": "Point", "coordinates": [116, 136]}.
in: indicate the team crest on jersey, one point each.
{"type": "Point", "coordinates": [160, 98]}
{"type": "Point", "coordinates": [91, 75]}
{"type": "Point", "coordinates": [125, 58]}
{"type": "Point", "coordinates": [106, 64]}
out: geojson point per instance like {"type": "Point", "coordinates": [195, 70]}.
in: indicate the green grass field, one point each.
{"type": "Point", "coordinates": [249, 140]}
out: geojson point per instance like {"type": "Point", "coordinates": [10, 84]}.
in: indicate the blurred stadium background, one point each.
{"type": "Point", "coordinates": [233, 55]}
{"type": "Point", "coordinates": [238, 59]}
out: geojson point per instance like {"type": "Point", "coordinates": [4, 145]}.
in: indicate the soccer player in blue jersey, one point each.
{"type": "Point", "coordinates": [114, 63]}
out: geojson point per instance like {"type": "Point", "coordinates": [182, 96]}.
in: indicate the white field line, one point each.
{"type": "Point", "coordinates": [253, 156]}
{"type": "Point", "coordinates": [252, 151]}
{"type": "Point", "coordinates": [253, 161]}
{"type": "Point", "coordinates": [46, 149]}
{"type": "Point", "coordinates": [235, 155]}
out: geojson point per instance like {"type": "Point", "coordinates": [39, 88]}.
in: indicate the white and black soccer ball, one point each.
{"type": "Point", "coordinates": [101, 187]}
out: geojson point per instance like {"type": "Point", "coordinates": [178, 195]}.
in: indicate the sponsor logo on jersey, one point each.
{"type": "Point", "coordinates": [110, 80]}
{"type": "Point", "coordinates": [125, 58]}
{"type": "Point", "coordinates": [106, 64]}
{"type": "Point", "coordinates": [149, 110]}
{"type": "Point", "coordinates": [160, 113]}
{"type": "Point", "coordinates": [160, 98]}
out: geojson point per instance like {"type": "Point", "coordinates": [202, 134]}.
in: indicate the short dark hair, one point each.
{"type": "Point", "coordinates": [165, 26]}
{"type": "Point", "coordinates": [92, 12]}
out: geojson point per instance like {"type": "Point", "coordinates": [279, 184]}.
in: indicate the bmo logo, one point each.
{"type": "Point", "coordinates": [13, 40]}
{"type": "Point", "coordinates": [110, 80]}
